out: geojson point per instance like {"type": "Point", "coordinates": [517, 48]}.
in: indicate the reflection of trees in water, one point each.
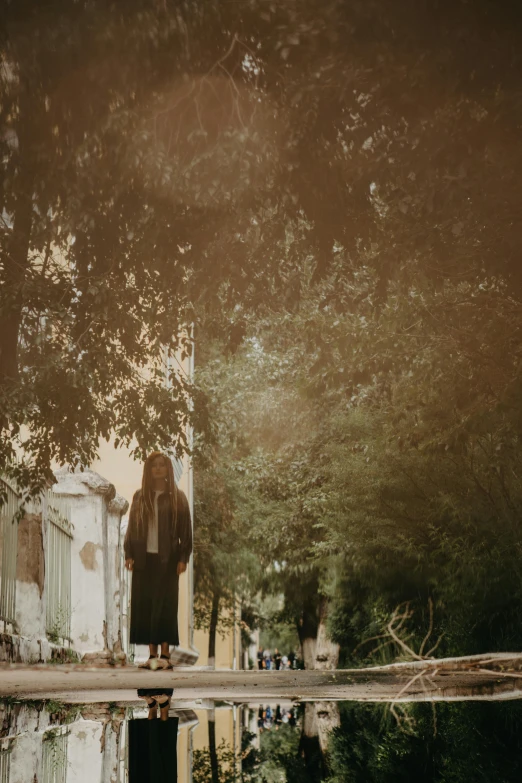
{"type": "Point", "coordinates": [221, 764]}
{"type": "Point", "coordinates": [285, 753]}
{"type": "Point", "coordinates": [283, 757]}
{"type": "Point", "coordinates": [467, 741]}
{"type": "Point", "coordinates": [289, 751]}
{"type": "Point", "coordinates": [464, 741]}
{"type": "Point", "coordinates": [217, 764]}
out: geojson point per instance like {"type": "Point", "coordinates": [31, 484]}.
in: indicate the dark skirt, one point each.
{"type": "Point", "coordinates": [153, 751]}
{"type": "Point", "coordinates": [154, 603]}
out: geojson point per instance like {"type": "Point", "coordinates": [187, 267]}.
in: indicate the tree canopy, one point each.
{"type": "Point", "coordinates": [327, 192]}
{"type": "Point", "coordinates": [179, 160]}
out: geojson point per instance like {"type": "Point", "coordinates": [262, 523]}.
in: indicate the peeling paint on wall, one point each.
{"type": "Point", "coordinates": [30, 561]}
{"type": "Point", "coordinates": [88, 556]}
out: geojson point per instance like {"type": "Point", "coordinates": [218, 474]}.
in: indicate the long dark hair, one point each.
{"type": "Point", "coordinates": [147, 491]}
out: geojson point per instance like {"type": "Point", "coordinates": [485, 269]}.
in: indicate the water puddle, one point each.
{"type": "Point", "coordinates": [271, 742]}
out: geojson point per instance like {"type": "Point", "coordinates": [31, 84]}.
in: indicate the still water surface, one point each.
{"type": "Point", "coordinates": [217, 742]}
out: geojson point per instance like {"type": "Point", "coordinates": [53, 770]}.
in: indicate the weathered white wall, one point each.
{"type": "Point", "coordinates": [30, 610]}
{"type": "Point", "coordinates": [19, 718]}
{"type": "Point", "coordinates": [26, 758]}
{"type": "Point", "coordinates": [30, 578]}
{"type": "Point", "coordinates": [96, 512]}
{"type": "Point", "coordinates": [26, 726]}
{"type": "Point", "coordinates": [85, 759]}
{"type": "Point", "coordinates": [87, 584]}
{"type": "Point", "coordinates": [117, 507]}
{"type": "Point", "coordinates": [97, 745]}
{"type": "Point", "coordinates": [84, 752]}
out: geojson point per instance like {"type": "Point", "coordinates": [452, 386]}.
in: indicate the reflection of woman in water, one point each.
{"type": "Point", "coordinates": [157, 697]}
{"type": "Point", "coordinates": [153, 743]}
{"type": "Point", "coordinates": [158, 544]}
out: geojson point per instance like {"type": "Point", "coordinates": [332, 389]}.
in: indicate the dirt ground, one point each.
{"type": "Point", "coordinates": [479, 677]}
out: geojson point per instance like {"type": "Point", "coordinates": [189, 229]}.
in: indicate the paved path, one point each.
{"type": "Point", "coordinates": [426, 680]}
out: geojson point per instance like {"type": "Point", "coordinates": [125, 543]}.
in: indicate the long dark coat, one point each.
{"type": "Point", "coordinates": [154, 594]}
{"type": "Point", "coordinates": [174, 541]}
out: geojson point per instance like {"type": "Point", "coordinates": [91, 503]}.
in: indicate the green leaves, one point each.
{"type": "Point", "coordinates": [119, 171]}
{"type": "Point", "coordinates": [394, 479]}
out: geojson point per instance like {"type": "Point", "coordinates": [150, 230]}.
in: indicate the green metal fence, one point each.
{"type": "Point", "coordinates": [10, 504]}
{"type": "Point", "coordinates": [58, 568]}
{"type": "Point", "coordinates": [54, 755]}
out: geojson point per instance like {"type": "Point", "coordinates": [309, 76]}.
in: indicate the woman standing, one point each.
{"type": "Point", "coordinates": [158, 545]}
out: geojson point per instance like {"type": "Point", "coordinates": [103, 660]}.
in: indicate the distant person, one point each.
{"type": "Point", "coordinates": [268, 660]}
{"type": "Point", "coordinates": [284, 662]}
{"type": "Point", "coordinates": [158, 545]}
{"type": "Point", "coordinates": [260, 659]}
{"type": "Point", "coordinates": [291, 659]}
{"type": "Point", "coordinates": [277, 659]}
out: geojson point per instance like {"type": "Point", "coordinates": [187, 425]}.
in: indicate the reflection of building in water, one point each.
{"type": "Point", "coordinates": [81, 751]}
{"type": "Point", "coordinates": [208, 734]}
{"type": "Point", "coordinates": [97, 742]}
{"type": "Point", "coordinates": [217, 737]}
{"type": "Point", "coordinates": [86, 747]}
{"type": "Point", "coordinates": [93, 742]}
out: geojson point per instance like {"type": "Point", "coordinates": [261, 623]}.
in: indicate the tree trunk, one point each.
{"type": "Point", "coordinates": [214, 617]}
{"type": "Point", "coordinates": [308, 649]}
{"type": "Point", "coordinates": [327, 718]}
{"type": "Point", "coordinates": [327, 652]}
{"type": "Point", "coordinates": [307, 630]}
{"type": "Point", "coordinates": [214, 761]}
{"type": "Point", "coordinates": [310, 748]}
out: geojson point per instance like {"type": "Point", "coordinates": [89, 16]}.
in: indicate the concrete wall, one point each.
{"type": "Point", "coordinates": [97, 742]}
{"type": "Point", "coordinates": [96, 511]}
{"type": "Point", "coordinates": [91, 748]}
{"type": "Point", "coordinates": [31, 644]}
{"type": "Point", "coordinates": [30, 576]}
{"type": "Point", "coordinates": [27, 641]}
{"type": "Point", "coordinates": [84, 752]}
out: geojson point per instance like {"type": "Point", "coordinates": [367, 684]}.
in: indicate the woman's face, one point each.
{"type": "Point", "coordinates": [158, 468]}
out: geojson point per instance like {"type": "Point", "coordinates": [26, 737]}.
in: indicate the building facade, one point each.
{"type": "Point", "coordinates": [59, 580]}
{"type": "Point", "coordinates": [64, 591]}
